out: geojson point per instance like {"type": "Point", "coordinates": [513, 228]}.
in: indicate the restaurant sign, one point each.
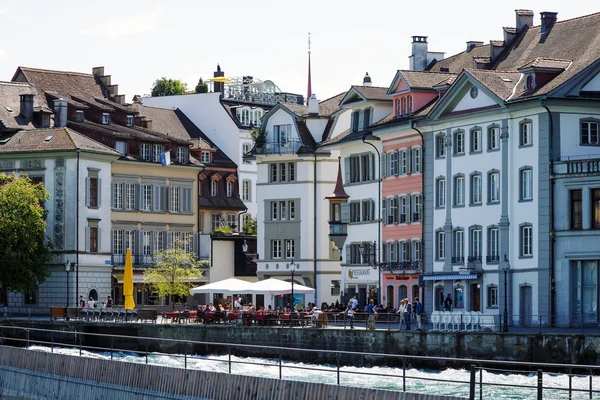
{"type": "Point", "coordinates": [361, 274]}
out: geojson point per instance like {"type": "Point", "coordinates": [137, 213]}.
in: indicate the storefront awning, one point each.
{"type": "Point", "coordinates": [449, 277]}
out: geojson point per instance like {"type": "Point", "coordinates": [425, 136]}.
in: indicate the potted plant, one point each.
{"type": "Point", "coordinates": [222, 231]}
{"type": "Point", "coordinates": [259, 136]}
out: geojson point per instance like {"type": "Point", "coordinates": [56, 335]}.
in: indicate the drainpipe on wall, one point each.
{"type": "Point", "coordinates": [412, 126]}
{"type": "Point", "coordinates": [239, 216]}
{"type": "Point", "coordinates": [315, 225]}
{"type": "Point", "coordinates": [77, 236]}
{"type": "Point", "coordinates": [551, 200]}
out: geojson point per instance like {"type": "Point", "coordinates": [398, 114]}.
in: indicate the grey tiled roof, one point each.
{"type": "Point", "coordinates": [373, 93]}
{"type": "Point", "coordinates": [501, 83]}
{"type": "Point", "coordinates": [425, 79]}
{"type": "Point", "coordinates": [10, 105]}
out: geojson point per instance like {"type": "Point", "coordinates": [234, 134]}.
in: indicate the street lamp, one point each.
{"type": "Point", "coordinates": [371, 252]}
{"type": "Point", "coordinates": [505, 268]}
{"type": "Point", "coordinates": [68, 266]}
{"type": "Point", "coordinates": [245, 246]}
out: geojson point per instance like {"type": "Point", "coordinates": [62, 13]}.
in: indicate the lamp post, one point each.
{"type": "Point", "coordinates": [371, 252]}
{"type": "Point", "coordinates": [505, 268]}
{"type": "Point", "coordinates": [293, 267]}
{"type": "Point", "coordinates": [68, 269]}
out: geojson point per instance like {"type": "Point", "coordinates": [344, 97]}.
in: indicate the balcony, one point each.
{"type": "Point", "coordinates": [458, 260]}
{"type": "Point", "coordinates": [289, 146]}
{"type": "Point", "coordinates": [474, 259]}
{"type": "Point", "coordinates": [138, 260]}
{"type": "Point", "coordinates": [578, 165]}
{"type": "Point", "coordinates": [401, 267]}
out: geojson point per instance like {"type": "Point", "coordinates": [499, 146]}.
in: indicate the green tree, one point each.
{"type": "Point", "coordinates": [250, 226]}
{"type": "Point", "coordinates": [174, 271]}
{"type": "Point", "coordinates": [168, 87]}
{"type": "Point", "coordinates": [25, 250]}
{"type": "Point", "coordinates": [201, 87]}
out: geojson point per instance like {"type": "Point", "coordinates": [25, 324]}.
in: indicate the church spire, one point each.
{"type": "Point", "coordinates": [309, 89]}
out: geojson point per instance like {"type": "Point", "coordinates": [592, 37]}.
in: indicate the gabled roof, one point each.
{"type": "Point", "coordinates": [502, 84]}
{"type": "Point", "coordinates": [331, 105]}
{"type": "Point", "coordinates": [543, 62]}
{"type": "Point", "coordinates": [51, 139]}
{"type": "Point", "coordinates": [458, 62]}
{"type": "Point", "coordinates": [366, 93]}
{"type": "Point", "coordinates": [419, 79]}
{"type": "Point", "coordinates": [10, 105]}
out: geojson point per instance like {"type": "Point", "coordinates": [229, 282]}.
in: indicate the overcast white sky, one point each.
{"type": "Point", "coordinates": [140, 41]}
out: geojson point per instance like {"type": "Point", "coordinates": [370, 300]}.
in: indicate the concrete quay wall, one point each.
{"type": "Point", "coordinates": [39, 375]}
{"type": "Point", "coordinates": [550, 348]}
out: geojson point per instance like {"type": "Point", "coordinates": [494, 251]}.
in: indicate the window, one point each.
{"type": "Point", "coordinates": [118, 242]}
{"type": "Point", "coordinates": [405, 162]}
{"type": "Point", "coordinates": [335, 288]}
{"type": "Point", "coordinates": [246, 190]}
{"type": "Point", "coordinates": [30, 297]}
{"type": "Point", "coordinates": [492, 296]}
{"type": "Point", "coordinates": [459, 244]}
{"type": "Point", "coordinates": [368, 208]}
{"type": "Point", "coordinates": [476, 189]}
{"type": "Point", "coordinates": [145, 151]}
{"type": "Point", "coordinates": [459, 191]}
{"type": "Point", "coordinates": [393, 252]}
{"type": "Point", "coordinates": [215, 221]}
{"type": "Point", "coordinates": [146, 197]}
{"type": "Point", "coordinates": [406, 253]}
{"type": "Point", "coordinates": [416, 208]}
{"type": "Point", "coordinates": [290, 249]}
{"type": "Point", "coordinates": [367, 118]}
{"type": "Point", "coordinates": [45, 121]}
{"type": "Point", "coordinates": [182, 154]}
{"type": "Point", "coordinates": [276, 248]}
{"type": "Point", "coordinates": [291, 210]}
{"type": "Point", "coordinates": [129, 120]}
{"type": "Point", "coordinates": [403, 100]}
{"type": "Point", "coordinates": [117, 196]}
{"type": "Point", "coordinates": [274, 211]}
{"type": "Point", "coordinates": [440, 146]}
{"type": "Point", "coordinates": [459, 142]}
{"type": "Point", "coordinates": [147, 243]}
{"type": "Point", "coordinates": [129, 196]}
{"type": "Point", "coordinates": [475, 140]}
{"type": "Point", "coordinates": [576, 209]}
{"type": "Point", "coordinates": [283, 210]}
{"type": "Point", "coordinates": [174, 194]}
{"type": "Point", "coordinates": [393, 213]}
{"type": "Point", "coordinates": [404, 209]}
{"type": "Point", "coordinates": [525, 134]}
{"type": "Point", "coordinates": [282, 134]}
{"type": "Point", "coordinates": [129, 240]}
{"type": "Point", "coordinates": [526, 241]}
{"type": "Point", "coordinates": [393, 164]}
{"type": "Point", "coordinates": [121, 147]}
{"type": "Point", "coordinates": [158, 241]}
{"type": "Point", "coordinates": [494, 138]}
{"type": "Point", "coordinates": [232, 221]}
{"type": "Point", "coordinates": [475, 245]}
{"type": "Point", "coordinates": [229, 189]}
{"type": "Point", "coordinates": [359, 168]}
{"type": "Point", "coordinates": [416, 245]}
{"type": "Point", "coordinates": [158, 150]}
{"type": "Point", "coordinates": [589, 133]}
{"type": "Point", "coordinates": [245, 150]}
{"type": "Point", "coordinates": [282, 174]}
{"type": "Point", "coordinates": [273, 168]}
{"type": "Point", "coordinates": [292, 172]}
{"type": "Point", "coordinates": [440, 245]}
{"type": "Point", "coordinates": [595, 208]}
{"type": "Point", "coordinates": [416, 159]}
{"type": "Point", "coordinates": [440, 192]}
{"type": "Point", "coordinates": [354, 121]}
{"type": "Point", "coordinates": [205, 156]}
{"type": "Point", "coordinates": [79, 116]}
{"type": "Point", "coordinates": [526, 186]}
{"type": "Point", "coordinates": [214, 188]}
{"type": "Point", "coordinates": [494, 187]}
{"type": "Point", "coordinates": [94, 239]}
{"type": "Point", "coordinates": [105, 119]}
{"type": "Point", "coordinates": [493, 245]}
{"type": "Point", "coordinates": [354, 211]}
{"type": "Point", "coordinates": [93, 189]}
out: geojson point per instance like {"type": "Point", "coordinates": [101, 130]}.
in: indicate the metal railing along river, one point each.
{"type": "Point", "coordinates": [476, 367]}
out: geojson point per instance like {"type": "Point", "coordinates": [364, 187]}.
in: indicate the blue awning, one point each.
{"type": "Point", "coordinates": [451, 277]}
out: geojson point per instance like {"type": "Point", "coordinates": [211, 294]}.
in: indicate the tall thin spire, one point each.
{"type": "Point", "coordinates": [309, 89]}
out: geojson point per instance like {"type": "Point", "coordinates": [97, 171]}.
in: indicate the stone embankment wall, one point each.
{"type": "Point", "coordinates": [552, 348]}
{"type": "Point", "coordinates": [38, 375]}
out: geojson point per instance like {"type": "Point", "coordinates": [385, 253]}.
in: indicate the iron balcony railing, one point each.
{"type": "Point", "coordinates": [458, 260]}
{"type": "Point", "coordinates": [287, 146]}
{"type": "Point", "coordinates": [140, 260]}
{"type": "Point", "coordinates": [492, 258]}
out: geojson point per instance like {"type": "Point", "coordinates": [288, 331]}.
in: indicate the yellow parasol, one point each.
{"type": "Point", "coordinates": [221, 79]}
{"type": "Point", "coordinates": [128, 282]}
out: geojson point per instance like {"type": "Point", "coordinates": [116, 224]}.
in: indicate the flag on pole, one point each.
{"type": "Point", "coordinates": [165, 159]}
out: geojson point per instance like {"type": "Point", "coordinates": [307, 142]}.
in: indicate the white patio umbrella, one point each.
{"type": "Point", "coordinates": [227, 286]}
{"type": "Point", "coordinates": [275, 286]}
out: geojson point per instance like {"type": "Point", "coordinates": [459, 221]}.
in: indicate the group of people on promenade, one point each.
{"type": "Point", "coordinates": [91, 303]}
{"type": "Point", "coordinates": [407, 312]}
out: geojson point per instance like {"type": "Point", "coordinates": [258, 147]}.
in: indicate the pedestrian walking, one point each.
{"type": "Point", "coordinates": [419, 312]}
{"type": "Point", "coordinates": [401, 313]}
{"type": "Point", "coordinates": [407, 313]}
{"type": "Point", "coordinates": [371, 311]}
{"type": "Point", "coordinates": [350, 314]}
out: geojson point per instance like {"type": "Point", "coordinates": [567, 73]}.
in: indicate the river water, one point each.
{"type": "Point", "coordinates": [374, 377]}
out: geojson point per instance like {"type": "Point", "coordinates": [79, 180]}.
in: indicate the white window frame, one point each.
{"type": "Point", "coordinates": [105, 118]}
{"type": "Point", "coordinates": [416, 207]}
{"type": "Point", "coordinates": [183, 154]}
{"type": "Point", "coordinates": [459, 243]}
{"type": "Point", "coordinates": [526, 180]}
{"type": "Point", "coordinates": [174, 199]}
{"type": "Point", "coordinates": [494, 241]}
{"type": "Point", "coordinates": [205, 156]}
{"type": "Point", "coordinates": [527, 241]}
{"type": "Point", "coordinates": [494, 138]}
{"type": "Point", "coordinates": [525, 134]}
{"type": "Point", "coordinates": [475, 140]}
{"type": "Point", "coordinates": [492, 296]}
{"type": "Point", "coordinates": [290, 248]}
{"type": "Point", "coordinates": [229, 189]}
{"type": "Point", "coordinates": [246, 189]}
{"type": "Point", "coordinates": [475, 243]}
{"type": "Point", "coordinates": [129, 196]}
{"type": "Point", "coordinates": [146, 151]}
{"type": "Point", "coordinates": [440, 245]}
{"type": "Point", "coordinates": [440, 144]}
{"type": "Point", "coordinates": [476, 189]}
{"type": "Point", "coordinates": [589, 127]}
{"type": "Point", "coordinates": [459, 190]}
{"type": "Point", "coordinates": [214, 187]}
{"type": "Point", "coordinates": [494, 187]}
{"type": "Point", "coordinates": [440, 185]}
{"type": "Point", "coordinates": [158, 149]}
{"type": "Point", "coordinates": [130, 120]}
{"type": "Point", "coordinates": [459, 142]}
{"type": "Point", "coordinates": [146, 197]}
{"type": "Point", "coordinates": [276, 249]}
{"type": "Point", "coordinates": [416, 159]}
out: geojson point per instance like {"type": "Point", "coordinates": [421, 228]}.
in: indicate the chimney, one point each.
{"type": "Point", "coordinates": [147, 124]}
{"type": "Point", "coordinates": [496, 47]}
{"type": "Point", "coordinates": [120, 98]}
{"type": "Point", "coordinates": [524, 19]}
{"type": "Point", "coordinates": [98, 71]}
{"type": "Point", "coordinates": [218, 86]}
{"type": "Point", "coordinates": [27, 106]}
{"type": "Point", "coordinates": [548, 21]}
{"type": "Point", "coordinates": [418, 58]}
{"type": "Point", "coordinates": [509, 34]}
{"type": "Point", "coordinates": [60, 113]}
{"type": "Point", "coordinates": [367, 80]}
{"type": "Point", "coordinates": [313, 105]}
{"type": "Point", "coordinates": [472, 44]}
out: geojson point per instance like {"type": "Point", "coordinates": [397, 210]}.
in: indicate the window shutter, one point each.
{"type": "Point", "coordinates": [389, 157]}
{"type": "Point", "coordinates": [382, 167]}
{"type": "Point", "coordinates": [99, 193]}
{"type": "Point", "coordinates": [168, 200]}
{"type": "Point", "coordinates": [361, 120]}
{"type": "Point", "coordinates": [140, 242]}
{"type": "Point", "coordinates": [87, 191]}
{"type": "Point", "coordinates": [195, 248]}
{"type": "Point", "coordinates": [99, 242]}
{"type": "Point", "coordinates": [384, 252]}
{"type": "Point", "coordinates": [182, 202]}
{"type": "Point", "coordinates": [155, 197]}
{"type": "Point", "coordinates": [347, 170]}
{"type": "Point", "coordinates": [348, 254]}
{"type": "Point", "coordinates": [396, 163]}
{"type": "Point", "coordinates": [345, 213]}
{"type": "Point", "coordinates": [371, 166]}
{"type": "Point", "coordinates": [384, 210]}
{"type": "Point", "coordinates": [112, 241]}
{"type": "Point", "coordinates": [113, 194]}
{"type": "Point", "coordinates": [87, 237]}
{"type": "Point", "coordinates": [408, 160]}
{"type": "Point", "coordinates": [367, 120]}
{"type": "Point", "coordinates": [169, 239]}
{"type": "Point", "coordinates": [138, 195]}
{"type": "Point", "coordinates": [372, 210]}
{"type": "Point", "coordinates": [408, 215]}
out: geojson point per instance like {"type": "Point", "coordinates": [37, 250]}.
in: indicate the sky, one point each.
{"type": "Point", "coordinates": [140, 41]}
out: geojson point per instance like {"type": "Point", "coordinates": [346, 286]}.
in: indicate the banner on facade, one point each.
{"type": "Point", "coordinates": [165, 159]}
{"type": "Point", "coordinates": [362, 274]}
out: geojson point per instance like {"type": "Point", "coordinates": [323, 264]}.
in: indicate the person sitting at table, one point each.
{"type": "Point", "coordinates": [211, 307]}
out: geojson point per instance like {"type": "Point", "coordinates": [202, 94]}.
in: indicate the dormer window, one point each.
{"type": "Point", "coordinates": [182, 154]}
{"type": "Point", "coordinates": [129, 120]}
{"type": "Point", "coordinates": [214, 188]}
{"type": "Point", "coordinates": [146, 151]}
{"type": "Point", "coordinates": [120, 146]}
{"type": "Point", "coordinates": [79, 116]}
{"type": "Point", "coordinates": [530, 82]}
{"type": "Point", "coordinates": [205, 157]}
{"type": "Point", "coordinates": [105, 119]}
{"type": "Point", "coordinates": [45, 121]}
{"type": "Point", "coordinates": [229, 189]}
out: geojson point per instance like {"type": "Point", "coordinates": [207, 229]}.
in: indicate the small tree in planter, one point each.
{"type": "Point", "coordinates": [259, 136]}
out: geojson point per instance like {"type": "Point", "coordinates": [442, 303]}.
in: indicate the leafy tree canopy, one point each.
{"type": "Point", "coordinates": [174, 272]}
{"type": "Point", "coordinates": [201, 87]}
{"type": "Point", "coordinates": [168, 87]}
{"type": "Point", "coordinates": [24, 248]}
{"type": "Point", "coordinates": [250, 226]}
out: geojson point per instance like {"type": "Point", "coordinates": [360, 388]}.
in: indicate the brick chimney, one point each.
{"type": "Point", "coordinates": [27, 106]}
{"type": "Point", "coordinates": [524, 19]}
{"type": "Point", "coordinates": [548, 21]}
